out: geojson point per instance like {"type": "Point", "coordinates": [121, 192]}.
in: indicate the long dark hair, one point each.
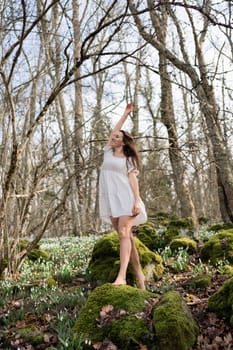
{"type": "Point", "coordinates": [130, 149]}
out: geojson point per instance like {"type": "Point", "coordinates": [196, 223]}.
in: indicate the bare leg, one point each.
{"type": "Point", "coordinates": [124, 232]}
{"type": "Point", "coordinates": [134, 259]}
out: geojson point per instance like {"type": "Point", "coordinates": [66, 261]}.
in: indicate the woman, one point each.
{"type": "Point", "coordinates": [119, 198]}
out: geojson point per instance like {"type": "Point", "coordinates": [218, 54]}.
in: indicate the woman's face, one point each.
{"type": "Point", "coordinates": [117, 139]}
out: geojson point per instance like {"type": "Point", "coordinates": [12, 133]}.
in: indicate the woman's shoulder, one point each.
{"type": "Point", "coordinates": [107, 148]}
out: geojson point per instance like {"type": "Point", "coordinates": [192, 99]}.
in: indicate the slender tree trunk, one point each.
{"type": "Point", "coordinates": [187, 208]}
{"type": "Point", "coordinates": [78, 119]}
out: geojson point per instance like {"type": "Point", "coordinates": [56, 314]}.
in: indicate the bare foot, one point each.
{"type": "Point", "coordinates": [119, 282]}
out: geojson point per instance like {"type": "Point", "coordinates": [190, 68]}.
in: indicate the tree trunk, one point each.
{"type": "Point", "coordinates": [205, 95]}
{"type": "Point", "coordinates": [78, 117]}
{"type": "Point", "coordinates": [187, 208]}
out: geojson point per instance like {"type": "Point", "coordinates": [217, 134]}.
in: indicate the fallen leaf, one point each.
{"type": "Point", "coordinates": [228, 340]}
{"type": "Point", "coordinates": [105, 310]}
{"type": "Point", "coordinates": [20, 324]}
{"type": "Point", "coordinates": [218, 340]}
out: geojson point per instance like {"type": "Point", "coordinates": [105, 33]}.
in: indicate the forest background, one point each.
{"type": "Point", "coordinates": [67, 70]}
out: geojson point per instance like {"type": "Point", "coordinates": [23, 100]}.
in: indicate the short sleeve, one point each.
{"type": "Point", "coordinates": [131, 168]}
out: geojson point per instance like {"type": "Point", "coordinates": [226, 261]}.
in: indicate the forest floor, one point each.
{"type": "Point", "coordinates": [214, 333]}
{"type": "Point", "coordinates": [49, 313]}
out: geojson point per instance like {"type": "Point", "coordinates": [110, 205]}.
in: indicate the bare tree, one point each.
{"type": "Point", "coordinates": [199, 77]}
{"type": "Point", "coordinates": [187, 208]}
{"type": "Point", "coordinates": [31, 204]}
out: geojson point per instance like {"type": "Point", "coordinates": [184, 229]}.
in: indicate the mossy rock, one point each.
{"type": "Point", "coordinates": [182, 223]}
{"type": "Point", "coordinates": [105, 261]}
{"type": "Point", "coordinates": [221, 301]}
{"type": "Point", "coordinates": [183, 243]}
{"type": "Point", "coordinates": [163, 218]}
{"type": "Point", "coordinates": [202, 220]}
{"type": "Point", "coordinates": [118, 314]}
{"type": "Point", "coordinates": [165, 228]}
{"type": "Point", "coordinates": [200, 281]}
{"type": "Point", "coordinates": [36, 253]}
{"type": "Point", "coordinates": [31, 334]}
{"type": "Point", "coordinates": [181, 226]}
{"type": "Point", "coordinates": [177, 228]}
{"type": "Point", "coordinates": [219, 247]}
{"type": "Point", "coordinates": [175, 327]}
{"type": "Point", "coordinates": [220, 226]}
{"type": "Point", "coordinates": [148, 235]}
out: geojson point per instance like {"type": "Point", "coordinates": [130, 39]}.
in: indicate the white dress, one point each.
{"type": "Point", "coordinates": [116, 196]}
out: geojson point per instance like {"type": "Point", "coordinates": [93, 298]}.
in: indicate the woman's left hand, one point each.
{"type": "Point", "coordinates": [136, 209]}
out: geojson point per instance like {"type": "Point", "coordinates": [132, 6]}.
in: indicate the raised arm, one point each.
{"type": "Point", "coordinates": [120, 123]}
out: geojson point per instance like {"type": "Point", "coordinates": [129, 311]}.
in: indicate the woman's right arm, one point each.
{"type": "Point", "coordinates": [128, 109]}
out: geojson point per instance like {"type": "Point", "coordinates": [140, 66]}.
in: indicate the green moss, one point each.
{"type": "Point", "coordinates": [128, 332]}
{"type": "Point", "coordinates": [202, 220]}
{"type": "Point", "coordinates": [163, 219]}
{"type": "Point", "coordinates": [176, 227]}
{"type": "Point", "coordinates": [182, 223]}
{"type": "Point", "coordinates": [36, 253]}
{"type": "Point", "coordinates": [228, 270]}
{"type": "Point", "coordinates": [201, 281]}
{"type": "Point", "coordinates": [127, 298]}
{"type": "Point", "coordinates": [148, 235]}
{"type": "Point", "coordinates": [31, 334]}
{"type": "Point", "coordinates": [221, 301]}
{"type": "Point", "coordinates": [105, 261]}
{"type": "Point", "coordinates": [51, 282]}
{"type": "Point", "coordinates": [162, 229]}
{"type": "Point", "coordinates": [219, 247]}
{"type": "Point", "coordinates": [220, 226]}
{"type": "Point", "coordinates": [24, 243]}
{"type": "Point", "coordinates": [174, 325]}
{"type": "Point", "coordinates": [185, 243]}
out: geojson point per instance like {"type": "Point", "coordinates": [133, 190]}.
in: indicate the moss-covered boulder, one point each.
{"type": "Point", "coordinates": [31, 334]}
{"type": "Point", "coordinates": [162, 229]}
{"type": "Point", "coordinates": [178, 227]}
{"type": "Point", "coordinates": [183, 243]}
{"type": "Point", "coordinates": [148, 235]}
{"type": "Point", "coordinates": [175, 327]}
{"type": "Point", "coordinates": [220, 226]}
{"type": "Point", "coordinates": [221, 301]}
{"type": "Point", "coordinates": [200, 281]}
{"type": "Point", "coordinates": [36, 253]}
{"type": "Point", "coordinates": [219, 247]}
{"type": "Point", "coordinates": [202, 220]}
{"type": "Point", "coordinates": [105, 261]}
{"type": "Point", "coordinates": [163, 218]}
{"type": "Point", "coordinates": [119, 314]}
{"type": "Point", "coordinates": [130, 318]}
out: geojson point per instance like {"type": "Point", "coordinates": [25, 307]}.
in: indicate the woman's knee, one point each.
{"type": "Point", "coordinates": [123, 232]}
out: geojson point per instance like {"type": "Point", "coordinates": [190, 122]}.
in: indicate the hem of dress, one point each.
{"type": "Point", "coordinates": [138, 220]}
